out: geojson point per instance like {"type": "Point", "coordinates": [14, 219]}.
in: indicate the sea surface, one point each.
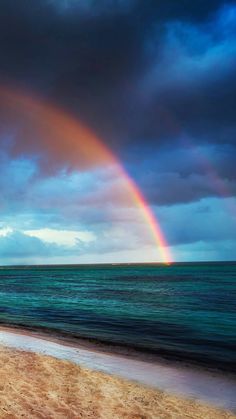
{"type": "Point", "coordinates": [184, 312]}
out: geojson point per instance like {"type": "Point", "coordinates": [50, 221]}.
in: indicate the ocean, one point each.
{"type": "Point", "coordinates": [183, 312]}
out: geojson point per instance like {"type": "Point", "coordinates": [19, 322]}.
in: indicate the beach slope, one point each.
{"type": "Point", "coordinates": [41, 386]}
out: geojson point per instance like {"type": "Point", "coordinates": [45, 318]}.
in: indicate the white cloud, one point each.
{"type": "Point", "coordinates": [61, 237]}
{"type": "Point", "coordinates": [5, 231]}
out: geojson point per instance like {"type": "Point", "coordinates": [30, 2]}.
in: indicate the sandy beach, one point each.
{"type": "Point", "coordinates": [34, 385]}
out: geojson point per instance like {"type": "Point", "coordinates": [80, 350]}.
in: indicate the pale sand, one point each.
{"type": "Point", "coordinates": [41, 386]}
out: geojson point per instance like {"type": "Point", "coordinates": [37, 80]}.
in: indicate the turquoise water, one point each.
{"type": "Point", "coordinates": [184, 311]}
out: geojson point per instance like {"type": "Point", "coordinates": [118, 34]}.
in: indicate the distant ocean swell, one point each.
{"type": "Point", "coordinates": [182, 312]}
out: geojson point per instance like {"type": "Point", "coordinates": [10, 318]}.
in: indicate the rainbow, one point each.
{"type": "Point", "coordinates": [67, 139]}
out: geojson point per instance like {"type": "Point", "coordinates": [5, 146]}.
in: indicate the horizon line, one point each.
{"type": "Point", "coordinates": [116, 264]}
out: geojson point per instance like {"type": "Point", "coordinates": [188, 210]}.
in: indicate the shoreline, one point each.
{"type": "Point", "coordinates": [180, 380]}
{"type": "Point", "coordinates": [111, 347]}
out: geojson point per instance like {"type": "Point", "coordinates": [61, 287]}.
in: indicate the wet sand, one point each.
{"type": "Point", "coordinates": [40, 386]}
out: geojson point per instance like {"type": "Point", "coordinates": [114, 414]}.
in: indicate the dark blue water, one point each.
{"type": "Point", "coordinates": [184, 311]}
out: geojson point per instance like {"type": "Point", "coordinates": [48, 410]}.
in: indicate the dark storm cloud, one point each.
{"type": "Point", "coordinates": [92, 62]}
{"type": "Point", "coordinates": [185, 173]}
{"type": "Point", "coordinates": [134, 71]}
{"type": "Point", "coordinates": [190, 85]}
{"type": "Point", "coordinates": [211, 220]}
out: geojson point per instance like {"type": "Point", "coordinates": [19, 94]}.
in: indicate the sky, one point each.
{"type": "Point", "coordinates": [95, 93]}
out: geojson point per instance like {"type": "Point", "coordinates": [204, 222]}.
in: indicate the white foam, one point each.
{"type": "Point", "coordinates": [198, 385]}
